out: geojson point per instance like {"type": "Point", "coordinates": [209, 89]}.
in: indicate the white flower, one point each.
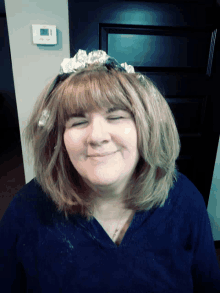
{"type": "Point", "coordinates": [44, 117]}
{"type": "Point", "coordinates": [97, 56]}
{"type": "Point", "coordinates": [71, 64]}
{"type": "Point", "coordinates": [128, 68]}
{"type": "Point", "coordinates": [81, 59]}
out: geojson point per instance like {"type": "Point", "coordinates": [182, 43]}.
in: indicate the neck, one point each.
{"type": "Point", "coordinates": [108, 202]}
{"type": "Point", "coordinates": [108, 211]}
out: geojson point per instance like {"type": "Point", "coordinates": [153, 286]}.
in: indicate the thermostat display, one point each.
{"type": "Point", "coordinates": [44, 34]}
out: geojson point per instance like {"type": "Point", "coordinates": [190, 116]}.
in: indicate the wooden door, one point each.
{"type": "Point", "coordinates": [174, 43]}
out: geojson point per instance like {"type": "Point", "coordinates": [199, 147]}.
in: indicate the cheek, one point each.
{"type": "Point", "coordinates": [72, 143]}
{"type": "Point", "coordinates": [73, 148]}
{"type": "Point", "coordinates": [127, 130]}
{"type": "Point", "coordinates": [130, 135]}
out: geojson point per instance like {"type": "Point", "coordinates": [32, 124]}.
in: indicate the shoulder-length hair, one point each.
{"type": "Point", "coordinates": [97, 87]}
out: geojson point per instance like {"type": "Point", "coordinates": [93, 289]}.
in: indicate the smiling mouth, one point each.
{"type": "Point", "coordinates": [103, 155]}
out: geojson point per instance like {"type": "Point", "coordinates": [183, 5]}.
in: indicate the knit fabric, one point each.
{"type": "Point", "coordinates": [168, 249]}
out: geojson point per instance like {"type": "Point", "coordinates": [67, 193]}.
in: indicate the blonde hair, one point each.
{"type": "Point", "coordinates": [96, 87]}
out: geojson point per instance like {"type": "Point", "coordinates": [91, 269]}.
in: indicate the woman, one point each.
{"type": "Point", "coordinates": [107, 211]}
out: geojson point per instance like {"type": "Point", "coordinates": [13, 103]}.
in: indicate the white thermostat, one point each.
{"type": "Point", "coordinates": [44, 34]}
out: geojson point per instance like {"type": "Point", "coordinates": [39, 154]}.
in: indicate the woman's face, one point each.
{"type": "Point", "coordinates": [97, 133]}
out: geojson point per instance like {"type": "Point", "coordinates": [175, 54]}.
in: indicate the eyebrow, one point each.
{"type": "Point", "coordinates": [110, 110]}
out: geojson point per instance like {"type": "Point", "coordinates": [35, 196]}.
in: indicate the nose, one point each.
{"type": "Point", "coordinates": [98, 132]}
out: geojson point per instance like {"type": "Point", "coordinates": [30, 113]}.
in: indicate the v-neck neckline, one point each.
{"type": "Point", "coordinates": [122, 233]}
{"type": "Point", "coordinates": [95, 230]}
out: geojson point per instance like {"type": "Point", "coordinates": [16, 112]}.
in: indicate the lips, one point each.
{"type": "Point", "coordinates": [101, 155]}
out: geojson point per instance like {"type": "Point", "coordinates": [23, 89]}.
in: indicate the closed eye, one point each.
{"type": "Point", "coordinates": [114, 118]}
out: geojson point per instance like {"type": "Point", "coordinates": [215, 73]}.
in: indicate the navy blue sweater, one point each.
{"type": "Point", "coordinates": [168, 249]}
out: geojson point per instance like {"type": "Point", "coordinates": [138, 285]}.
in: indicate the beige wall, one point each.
{"type": "Point", "coordinates": [33, 66]}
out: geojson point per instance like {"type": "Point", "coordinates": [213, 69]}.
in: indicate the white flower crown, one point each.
{"type": "Point", "coordinates": [81, 59]}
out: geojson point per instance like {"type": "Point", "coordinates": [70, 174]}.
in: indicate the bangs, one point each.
{"type": "Point", "coordinates": [92, 91]}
